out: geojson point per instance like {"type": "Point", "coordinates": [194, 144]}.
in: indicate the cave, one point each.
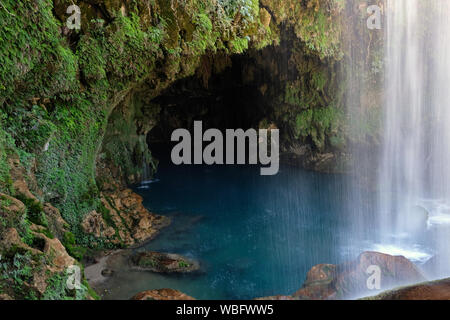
{"type": "Point", "coordinates": [232, 98]}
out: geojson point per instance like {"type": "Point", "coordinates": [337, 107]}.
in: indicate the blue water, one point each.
{"type": "Point", "coordinates": [254, 235]}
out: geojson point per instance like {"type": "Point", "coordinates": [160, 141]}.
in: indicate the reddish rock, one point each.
{"type": "Point", "coordinates": [434, 290]}
{"type": "Point", "coordinates": [60, 259]}
{"type": "Point", "coordinates": [132, 222]}
{"type": "Point", "coordinates": [127, 215]}
{"type": "Point", "coordinates": [55, 221]}
{"type": "Point", "coordinates": [11, 206]}
{"type": "Point", "coordinates": [395, 270]}
{"type": "Point", "coordinates": [93, 223]}
{"type": "Point", "coordinates": [349, 280]}
{"type": "Point", "coordinates": [21, 188]}
{"type": "Point", "coordinates": [321, 273]}
{"type": "Point", "coordinates": [319, 283]}
{"type": "Point", "coordinates": [10, 239]}
{"type": "Point", "coordinates": [162, 294]}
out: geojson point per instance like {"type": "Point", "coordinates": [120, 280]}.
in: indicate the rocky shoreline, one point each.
{"type": "Point", "coordinates": [400, 278]}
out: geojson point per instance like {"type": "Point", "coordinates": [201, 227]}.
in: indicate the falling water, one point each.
{"type": "Point", "coordinates": [414, 177]}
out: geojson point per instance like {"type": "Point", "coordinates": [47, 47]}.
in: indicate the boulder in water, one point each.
{"type": "Point", "coordinates": [163, 262]}
{"type": "Point", "coordinates": [349, 280]}
{"type": "Point", "coordinates": [319, 283]}
{"type": "Point", "coordinates": [107, 272]}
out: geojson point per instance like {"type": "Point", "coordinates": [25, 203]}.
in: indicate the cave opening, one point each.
{"type": "Point", "coordinates": [280, 87]}
{"type": "Point", "coordinates": [225, 93]}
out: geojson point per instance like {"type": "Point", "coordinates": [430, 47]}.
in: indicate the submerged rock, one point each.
{"type": "Point", "coordinates": [162, 294]}
{"type": "Point", "coordinates": [107, 272]}
{"type": "Point", "coordinates": [163, 262]}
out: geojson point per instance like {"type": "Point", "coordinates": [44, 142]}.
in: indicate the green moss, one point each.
{"type": "Point", "coordinates": [71, 246]}
{"type": "Point", "coordinates": [69, 239]}
{"type": "Point", "coordinates": [57, 289]}
{"type": "Point", "coordinates": [91, 291]}
{"type": "Point", "coordinates": [319, 124]}
{"type": "Point", "coordinates": [203, 22]}
{"type": "Point", "coordinates": [33, 51]}
{"type": "Point", "coordinates": [316, 23]}
{"type": "Point", "coordinates": [147, 262]}
{"type": "Point", "coordinates": [6, 144]}
{"type": "Point", "coordinates": [17, 269]}
{"type": "Point", "coordinates": [318, 80]}
{"type": "Point", "coordinates": [239, 45]}
{"type": "Point", "coordinates": [35, 211]}
{"type": "Point", "coordinates": [48, 233]}
{"type": "Point", "coordinates": [183, 264]}
{"type": "Point", "coordinates": [106, 215]}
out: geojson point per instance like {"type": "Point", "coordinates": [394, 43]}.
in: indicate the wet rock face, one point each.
{"type": "Point", "coordinates": [349, 280]}
{"type": "Point", "coordinates": [434, 290]}
{"type": "Point", "coordinates": [30, 243]}
{"type": "Point", "coordinates": [11, 206]}
{"type": "Point", "coordinates": [94, 224]}
{"type": "Point", "coordinates": [123, 220]}
{"type": "Point", "coordinates": [164, 262]}
{"type": "Point", "coordinates": [60, 258]}
{"type": "Point", "coordinates": [162, 294]}
{"type": "Point", "coordinates": [26, 202]}
{"type": "Point", "coordinates": [56, 261]}
{"type": "Point", "coordinates": [56, 223]}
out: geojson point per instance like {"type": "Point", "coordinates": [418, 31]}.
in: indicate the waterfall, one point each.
{"type": "Point", "coordinates": [145, 171]}
{"type": "Point", "coordinates": [414, 178]}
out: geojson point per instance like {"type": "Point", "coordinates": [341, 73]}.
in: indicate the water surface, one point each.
{"type": "Point", "coordinates": [253, 235]}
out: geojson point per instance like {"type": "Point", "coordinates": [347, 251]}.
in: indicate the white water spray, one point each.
{"type": "Point", "coordinates": [415, 165]}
